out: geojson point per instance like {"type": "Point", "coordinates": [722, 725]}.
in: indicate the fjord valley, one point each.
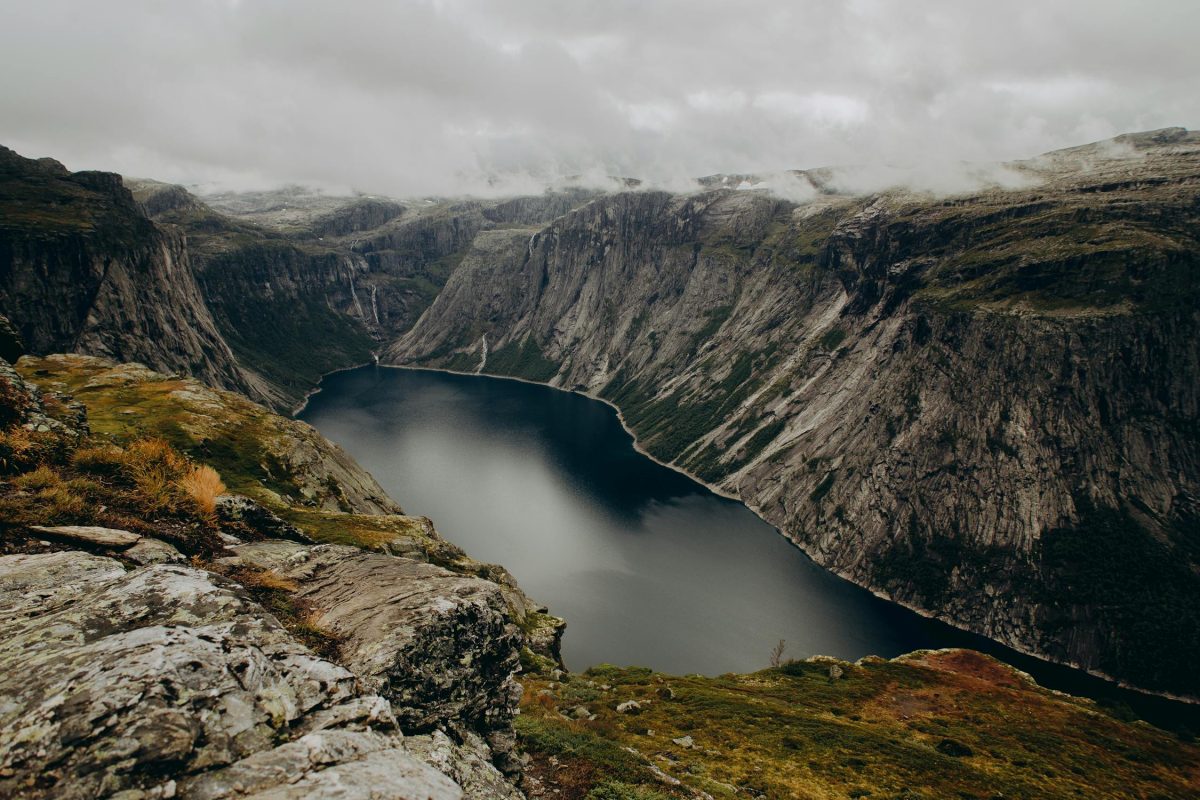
{"type": "Point", "coordinates": [981, 405]}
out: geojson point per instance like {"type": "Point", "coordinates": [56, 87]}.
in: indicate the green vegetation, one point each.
{"type": "Point", "coordinates": [714, 319]}
{"type": "Point", "coordinates": [831, 339]}
{"type": "Point", "coordinates": [1064, 257]}
{"type": "Point", "coordinates": [524, 360]}
{"type": "Point", "coordinates": [1144, 588]}
{"type": "Point", "coordinates": [950, 724]}
{"type": "Point", "coordinates": [668, 426]}
{"type": "Point", "coordinates": [64, 477]}
{"type": "Point", "coordinates": [761, 438]}
{"type": "Point", "coordinates": [129, 403]}
{"type": "Point", "coordinates": [822, 488]}
{"type": "Point", "coordinates": [291, 338]}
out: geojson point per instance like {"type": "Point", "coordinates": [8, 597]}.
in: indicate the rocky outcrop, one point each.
{"type": "Point", "coordinates": [360, 215]}
{"type": "Point", "coordinates": [983, 406]}
{"type": "Point", "coordinates": [175, 680]}
{"type": "Point", "coordinates": [168, 681]}
{"type": "Point", "coordinates": [440, 646]}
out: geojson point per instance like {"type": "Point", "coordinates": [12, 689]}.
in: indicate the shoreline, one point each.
{"type": "Point", "coordinates": [1189, 701]}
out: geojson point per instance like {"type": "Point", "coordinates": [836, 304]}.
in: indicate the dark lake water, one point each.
{"type": "Point", "coordinates": [647, 566]}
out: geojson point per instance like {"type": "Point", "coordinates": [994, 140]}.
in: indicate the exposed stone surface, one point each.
{"type": "Point", "coordinates": [83, 269]}
{"type": "Point", "coordinates": [440, 646]}
{"type": "Point", "coordinates": [167, 679]}
{"type": "Point", "coordinates": [334, 764]}
{"type": "Point", "coordinates": [467, 763]}
{"type": "Point", "coordinates": [90, 535]}
{"type": "Point", "coordinates": [152, 551]}
{"type": "Point", "coordinates": [263, 521]}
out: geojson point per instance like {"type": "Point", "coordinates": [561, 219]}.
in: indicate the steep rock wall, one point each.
{"type": "Point", "coordinates": [984, 407]}
{"type": "Point", "coordinates": [83, 270]}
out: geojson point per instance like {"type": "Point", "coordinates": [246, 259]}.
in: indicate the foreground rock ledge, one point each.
{"type": "Point", "coordinates": [439, 645]}
{"type": "Point", "coordinates": [169, 681]}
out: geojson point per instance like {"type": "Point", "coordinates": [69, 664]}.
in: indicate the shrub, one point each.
{"type": "Point", "coordinates": [14, 403]}
{"type": "Point", "coordinates": [203, 485]}
{"type": "Point", "coordinates": [41, 478]}
{"type": "Point", "coordinates": [20, 450]}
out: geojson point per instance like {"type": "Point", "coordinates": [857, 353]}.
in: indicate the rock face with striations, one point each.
{"type": "Point", "coordinates": [983, 405]}
{"type": "Point", "coordinates": [440, 646]}
{"type": "Point", "coordinates": [167, 681]}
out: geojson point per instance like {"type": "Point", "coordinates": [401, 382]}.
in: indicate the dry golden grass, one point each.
{"type": "Point", "coordinates": [61, 503]}
{"type": "Point", "coordinates": [203, 484]}
{"type": "Point", "coordinates": [41, 478]}
{"type": "Point", "coordinates": [269, 580]}
{"type": "Point", "coordinates": [18, 450]}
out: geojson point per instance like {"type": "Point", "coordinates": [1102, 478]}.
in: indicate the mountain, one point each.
{"type": "Point", "coordinates": [983, 405]}
{"type": "Point", "coordinates": [303, 638]}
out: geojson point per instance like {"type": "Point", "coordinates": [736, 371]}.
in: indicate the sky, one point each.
{"type": "Point", "coordinates": [416, 97]}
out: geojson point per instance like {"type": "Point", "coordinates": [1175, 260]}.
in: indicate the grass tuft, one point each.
{"type": "Point", "coordinates": [203, 484]}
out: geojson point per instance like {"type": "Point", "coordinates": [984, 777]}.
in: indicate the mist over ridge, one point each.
{"type": "Point", "coordinates": [462, 97]}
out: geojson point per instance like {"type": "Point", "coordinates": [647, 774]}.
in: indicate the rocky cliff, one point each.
{"type": "Point", "coordinates": [983, 406]}
{"type": "Point", "coordinates": [82, 269]}
{"type": "Point", "coordinates": [265, 645]}
{"type": "Point", "coordinates": [300, 285]}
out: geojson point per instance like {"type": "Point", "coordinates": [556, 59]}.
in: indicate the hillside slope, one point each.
{"type": "Point", "coordinates": [221, 652]}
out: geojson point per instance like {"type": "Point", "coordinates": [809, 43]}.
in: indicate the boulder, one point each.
{"type": "Point", "coordinates": [152, 551]}
{"type": "Point", "coordinates": [629, 707]}
{"type": "Point", "coordinates": [468, 763]}
{"type": "Point", "coordinates": [344, 764]}
{"type": "Point", "coordinates": [120, 683]}
{"type": "Point", "coordinates": [241, 510]}
{"type": "Point", "coordinates": [440, 646]}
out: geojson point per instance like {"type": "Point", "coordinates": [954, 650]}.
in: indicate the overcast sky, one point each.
{"type": "Point", "coordinates": [439, 96]}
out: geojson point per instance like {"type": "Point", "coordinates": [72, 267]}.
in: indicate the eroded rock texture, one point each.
{"type": "Point", "coordinates": [440, 646]}
{"type": "Point", "coordinates": [169, 681]}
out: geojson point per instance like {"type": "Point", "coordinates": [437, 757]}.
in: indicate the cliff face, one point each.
{"type": "Point", "coordinates": [983, 406]}
{"type": "Point", "coordinates": [83, 270]}
{"type": "Point", "coordinates": [300, 285]}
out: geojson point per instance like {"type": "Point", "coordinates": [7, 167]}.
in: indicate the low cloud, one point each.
{"type": "Point", "coordinates": [418, 97]}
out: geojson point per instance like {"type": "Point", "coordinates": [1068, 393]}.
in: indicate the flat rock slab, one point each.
{"type": "Point", "coordinates": [440, 646]}
{"type": "Point", "coordinates": [132, 682]}
{"type": "Point", "coordinates": [110, 538]}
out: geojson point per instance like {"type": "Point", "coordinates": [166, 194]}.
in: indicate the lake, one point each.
{"type": "Point", "coordinates": [647, 566]}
